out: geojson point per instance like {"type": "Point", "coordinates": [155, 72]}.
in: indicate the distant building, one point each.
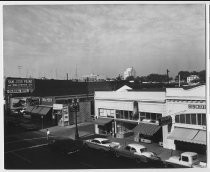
{"type": "Point", "coordinates": [92, 78]}
{"type": "Point", "coordinates": [191, 78]}
{"type": "Point", "coordinates": [129, 72]}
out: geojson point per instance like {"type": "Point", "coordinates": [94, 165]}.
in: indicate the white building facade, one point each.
{"type": "Point", "coordinates": [191, 78]}
{"type": "Point", "coordinates": [126, 113]}
{"type": "Point", "coordinates": [129, 72]}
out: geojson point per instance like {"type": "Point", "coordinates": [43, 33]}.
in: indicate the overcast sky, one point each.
{"type": "Point", "coordinates": [102, 39]}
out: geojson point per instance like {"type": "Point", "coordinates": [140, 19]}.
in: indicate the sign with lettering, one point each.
{"type": "Point", "coordinates": [194, 106]}
{"type": "Point", "coordinates": [57, 106]}
{"type": "Point", "coordinates": [21, 85]}
{"type": "Point", "coordinates": [165, 120]}
{"type": "Point", "coordinates": [47, 100]}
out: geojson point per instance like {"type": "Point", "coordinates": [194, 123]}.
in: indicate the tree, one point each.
{"type": "Point", "coordinates": [183, 75]}
{"type": "Point", "coordinates": [202, 76]}
{"type": "Point", "coordinates": [119, 78]}
{"type": "Point", "coordinates": [130, 78]}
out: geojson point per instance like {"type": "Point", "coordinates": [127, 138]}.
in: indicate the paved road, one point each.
{"type": "Point", "coordinates": [29, 150]}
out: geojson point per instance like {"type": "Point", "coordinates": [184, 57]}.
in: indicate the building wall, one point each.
{"type": "Point", "coordinates": [178, 101]}
{"type": "Point", "coordinates": [170, 103]}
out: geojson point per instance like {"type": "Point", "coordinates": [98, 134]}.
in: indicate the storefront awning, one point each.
{"type": "Point", "coordinates": [103, 121]}
{"type": "Point", "coordinates": [44, 110]}
{"type": "Point", "coordinates": [36, 110]}
{"type": "Point", "coordinates": [188, 135]}
{"type": "Point", "coordinates": [29, 108]}
{"type": "Point", "coordinates": [200, 137]}
{"type": "Point", "coordinates": [146, 129]}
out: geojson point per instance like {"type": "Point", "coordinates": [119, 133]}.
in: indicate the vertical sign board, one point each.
{"type": "Point", "coordinates": [19, 85]}
{"type": "Point", "coordinates": [66, 113]}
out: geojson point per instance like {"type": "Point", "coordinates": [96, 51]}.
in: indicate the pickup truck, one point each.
{"type": "Point", "coordinates": [101, 144]}
{"type": "Point", "coordinates": [185, 160]}
{"type": "Point", "coordinates": [137, 152]}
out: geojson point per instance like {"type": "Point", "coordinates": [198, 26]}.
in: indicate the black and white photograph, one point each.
{"type": "Point", "coordinates": [104, 86]}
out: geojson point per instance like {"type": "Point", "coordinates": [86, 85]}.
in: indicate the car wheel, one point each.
{"type": "Point", "coordinates": [117, 154]}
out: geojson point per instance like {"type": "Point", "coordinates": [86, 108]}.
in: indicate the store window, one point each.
{"type": "Point", "coordinates": [177, 119]}
{"type": "Point", "coordinates": [151, 116]}
{"type": "Point", "coordinates": [203, 119]}
{"type": "Point", "coordinates": [182, 118]}
{"type": "Point", "coordinates": [188, 120]}
{"type": "Point", "coordinates": [193, 119]}
{"type": "Point", "coordinates": [117, 114]}
{"type": "Point", "coordinates": [142, 115]}
{"type": "Point", "coordinates": [199, 118]}
{"type": "Point", "coordinates": [125, 114]}
{"type": "Point", "coordinates": [148, 116]}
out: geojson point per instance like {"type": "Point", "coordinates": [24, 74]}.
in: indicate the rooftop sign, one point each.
{"type": "Point", "coordinates": [21, 85]}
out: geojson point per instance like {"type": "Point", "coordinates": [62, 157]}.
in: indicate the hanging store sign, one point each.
{"type": "Point", "coordinates": [165, 120]}
{"type": "Point", "coordinates": [135, 108]}
{"type": "Point", "coordinates": [22, 85]}
{"type": "Point", "coordinates": [193, 106]}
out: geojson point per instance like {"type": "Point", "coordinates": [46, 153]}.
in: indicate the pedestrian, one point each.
{"type": "Point", "coordinates": [48, 134]}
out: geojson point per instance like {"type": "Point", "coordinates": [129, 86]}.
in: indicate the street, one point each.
{"type": "Point", "coordinates": [29, 150]}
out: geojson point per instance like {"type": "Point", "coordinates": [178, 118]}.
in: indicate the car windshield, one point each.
{"type": "Point", "coordinates": [143, 149]}
{"type": "Point", "coordinates": [105, 141]}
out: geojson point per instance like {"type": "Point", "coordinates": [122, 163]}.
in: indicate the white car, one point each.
{"type": "Point", "coordinates": [137, 152]}
{"type": "Point", "coordinates": [101, 144]}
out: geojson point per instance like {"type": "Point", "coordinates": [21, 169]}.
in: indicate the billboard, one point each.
{"type": "Point", "coordinates": [19, 85]}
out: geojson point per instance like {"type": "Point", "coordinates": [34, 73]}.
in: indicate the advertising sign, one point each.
{"type": "Point", "coordinates": [194, 106]}
{"type": "Point", "coordinates": [18, 103]}
{"type": "Point", "coordinates": [21, 85]}
{"type": "Point", "coordinates": [57, 106]}
{"type": "Point", "coordinates": [46, 100]}
{"type": "Point", "coordinates": [135, 108]}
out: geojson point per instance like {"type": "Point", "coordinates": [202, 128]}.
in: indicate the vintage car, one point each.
{"type": "Point", "coordinates": [137, 152]}
{"type": "Point", "coordinates": [185, 160]}
{"type": "Point", "coordinates": [102, 144]}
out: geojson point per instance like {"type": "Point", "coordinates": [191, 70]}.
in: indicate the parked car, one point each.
{"type": "Point", "coordinates": [65, 146]}
{"type": "Point", "coordinates": [102, 144]}
{"type": "Point", "coordinates": [137, 152]}
{"type": "Point", "coordinates": [186, 159]}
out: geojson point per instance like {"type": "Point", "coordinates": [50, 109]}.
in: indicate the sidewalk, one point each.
{"type": "Point", "coordinates": [84, 129]}
{"type": "Point", "coordinates": [163, 153]}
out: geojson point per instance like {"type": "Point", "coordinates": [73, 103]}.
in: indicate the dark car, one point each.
{"type": "Point", "coordinates": [66, 146]}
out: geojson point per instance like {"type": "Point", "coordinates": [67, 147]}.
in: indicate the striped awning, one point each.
{"type": "Point", "coordinates": [188, 135]}
{"type": "Point", "coordinates": [29, 108]}
{"type": "Point", "coordinates": [44, 110]}
{"type": "Point", "coordinates": [36, 109]}
{"type": "Point", "coordinates": [146, 129]}
{"type": "Point", "coordinates": [103, 121]}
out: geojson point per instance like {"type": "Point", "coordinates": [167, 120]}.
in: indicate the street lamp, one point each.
{"type": "Point", "coordinates": [75, 108]}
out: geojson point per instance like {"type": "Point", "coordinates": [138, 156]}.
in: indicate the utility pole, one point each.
{"type": "Point", "coordinates": [67, 77]}
{"type": "Point", "coordinates": [19, 69]}
{"type": "Point", "coordinates": [75, 108]}
{"type": "Point", "coordinates": [168, 75]}
{"type": "Point", "coordinates": [76, 72]}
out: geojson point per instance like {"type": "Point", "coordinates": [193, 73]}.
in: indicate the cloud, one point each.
{"type": "Point", "coordinates": [105, 39]}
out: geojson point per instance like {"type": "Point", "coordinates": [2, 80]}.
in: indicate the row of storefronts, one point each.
{"type": "Point", "coordinates": [174, 118]}
{"type": "Point", "coordinates": [55, 110]}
